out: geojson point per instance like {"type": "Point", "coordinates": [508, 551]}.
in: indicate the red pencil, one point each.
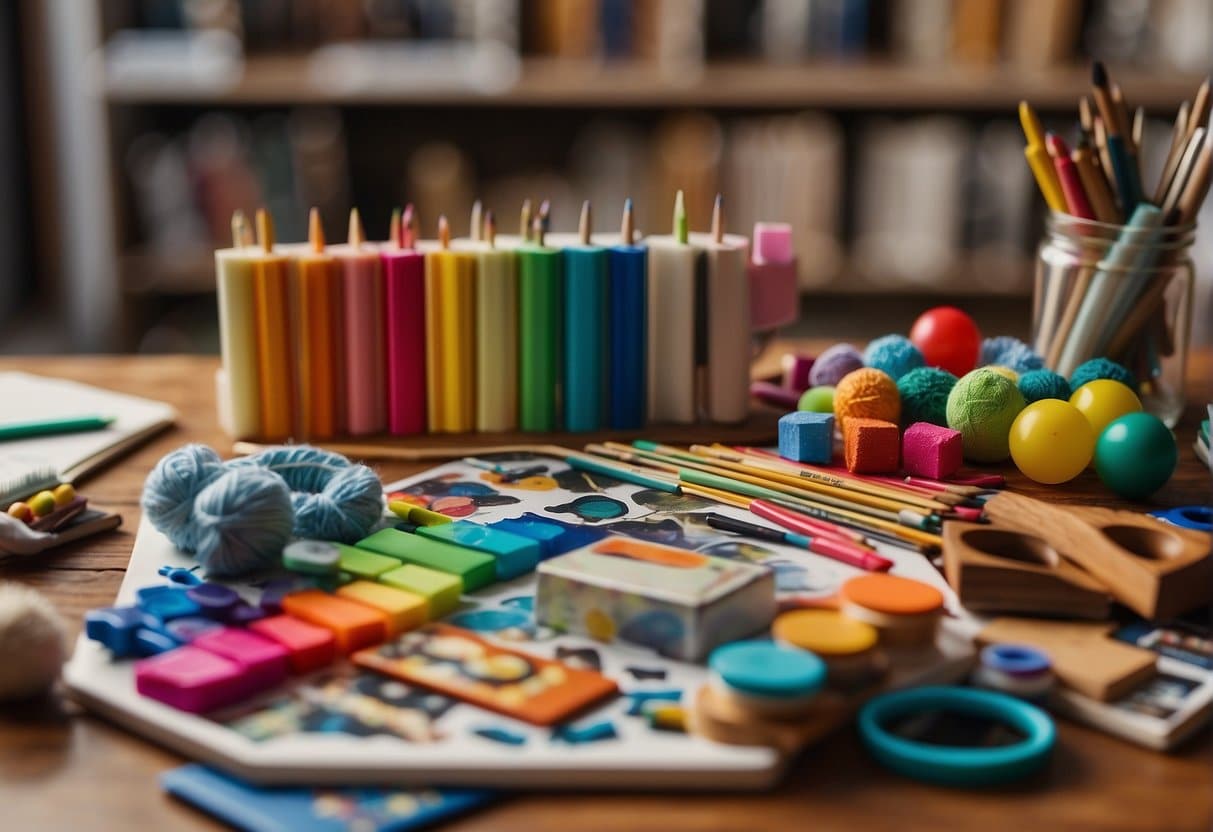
{"type": "Point", "coordinates": [829, 547]}
{"type": "Point", "coordinates": [1067, 172]}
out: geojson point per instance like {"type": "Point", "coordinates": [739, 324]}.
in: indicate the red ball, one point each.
{"type": "Point", "coordinates": [947, 338]}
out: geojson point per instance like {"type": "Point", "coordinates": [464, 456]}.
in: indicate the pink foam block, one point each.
{"type": "Point", "coordinates": [774, 296]}
{"type": "Point", "coordinates": [931, 451]}
{"type": "Point", "coordinates": [772, 242]}
{"type": "Point", "coordinates": [191, 679]}
{"type": "Point", "coordinates": [310, 647]}
{"type": "Point", "coordinates": [262, 662]}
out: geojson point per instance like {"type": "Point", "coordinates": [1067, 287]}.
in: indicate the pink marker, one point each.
{"type": "Point", "coordinates": [362, 287]}
{"type": "Point", "coordinates": [404, 296]}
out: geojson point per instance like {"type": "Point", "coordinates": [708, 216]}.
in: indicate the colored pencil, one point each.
{"type": "Point", "coordinates": [404, 306]}
{"type": "Point", "coordinates": [276, 371]}
{"type": "Point", "coordinates": [318, 343]}
{"type": "Point", "coordinates": [804, 539]}
{"type": "Point", "coordinates": [672, 279]}
{"type": "Point", "coordinates": [627, 327]}
{"type": "Point", "coordinates": [1038, 158]}
{"type": "Point", "coordinates": [586, 274]}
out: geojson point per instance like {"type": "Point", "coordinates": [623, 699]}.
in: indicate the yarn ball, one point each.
{"type": "Point", "coordinates": [242, 521]}
{"type": "Point", "coordinates": [833, 364]}
{"type": "Point", "coordinates": [33, 643]}
{"type": "Point", "coordinates": [1043, 384]}
{"type": "Point", "coordinates": [1102, 368]}
{"type": "Point", "coordinates": [1008, 351]}
{"type": "Point", "coordinates": [866, 393]}
{"type": "Point", "coordinates": [982, 406]}
{"type": "Point", "coordinates": [170, 489]}
{"type": "Point", "coordinates": [894, 354]}
{"type": "Point", "coordinates": [1005, 372]}
{"type": "Point", "coordinates": [924, 395]}
{"type": "Point", "coordinates": [817, 400]}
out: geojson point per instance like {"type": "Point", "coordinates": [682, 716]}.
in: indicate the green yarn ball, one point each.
{"type": "Point", "coordinates": [819, 399]}
{"type": "Point", "coordinates": [1102, 368]}
{"type": "Point", "coordinates": [1044, 384]}
{"type": "Point", "coordinates": [924, 395]}
{"type": "Point", "coordinates": [982, 406]}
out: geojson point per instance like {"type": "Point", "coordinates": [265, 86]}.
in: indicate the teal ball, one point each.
{"type": "Point", "coordinates": [1136, 455]}
{"type": "Point", "coordinates": [818, 399]}
{"type": "Point", "coordinates": [1044, 384]}
{"type": "Point", "coordinates": [982, 406]}
{"type": "Point", "coordinates": [924, 395]}
{"type": "Point", "coordinates": [893, 354]}
{"type": "Point", "coordinates": [1102, 368]}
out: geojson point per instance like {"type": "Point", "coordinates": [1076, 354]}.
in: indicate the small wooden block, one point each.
{"type": "Point", "coordinates": [310, 647]}
{"type": "Point", "coordinates": [364, 564]}
{"type": "Point", "coordinates": [806, 436]}
{"type": "Point", "coordinates": [513, 554]}
{"type": "Point", "coordinates": [1084, 656]}
{"type": "Point", "coordinates": [191, 679]}
{"type": "Point", "coordinates": [474, 569]}
{"type": "Point", "coordinates": [871, 446]}
{"type": "Point", "coordinates": [404, 610]}
{"type": "Point", "coordinates": [263, 662]}
{"type": "Point", "coordinates": [999, 570]}
{"type": "Point", "coordinates": [714, 717]}
{"type": "Point", "coordinates": [931, 451]}
{"type": "Point", "coordinates": [353, 625]}
{"type": "Point", "coordinates": [440, 590]}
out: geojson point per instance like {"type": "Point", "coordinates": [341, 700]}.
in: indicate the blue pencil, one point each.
{"type": "Point", "coordinates": [628, 321]}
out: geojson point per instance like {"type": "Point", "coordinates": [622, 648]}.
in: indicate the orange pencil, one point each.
{"type": "Point", "coordinates": [318, 294]}
{"type": "Point", "coordinates": [275, 362]}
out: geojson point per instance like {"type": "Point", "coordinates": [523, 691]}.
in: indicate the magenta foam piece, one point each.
{"type": "Point", "coordinates": [931, 451]}
{"type": "Point", "coordinates": [264, 663]}
{"type": "Point", "coordinates": [191, 679]}
{"type": "Point", "coordinates": [775, 394]}
{"type": "Point", "coordinates": [774, 294]}
{"type": "Point", "coordinates": [796, 371]}
{"type": "Point", "coordinates": [772, 242]}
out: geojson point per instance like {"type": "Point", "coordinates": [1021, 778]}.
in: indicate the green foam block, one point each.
{"type": "Point", "coordinates": [473, 568]}
{"type": "Point", "coordinates": [365, 564]}
{"type": "Point", "coordinates": [440, 590]}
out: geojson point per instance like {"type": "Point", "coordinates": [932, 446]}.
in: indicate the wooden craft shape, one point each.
{"type": "Point", "coordinates": [1157, 570]}
{"type": "Point", "coordinates": [1084, 655]}
{"type": "Point", "coordinates": [994, 569]}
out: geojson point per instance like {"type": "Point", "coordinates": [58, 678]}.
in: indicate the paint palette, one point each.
{"type": "Point", "coordinates": [370, 721]}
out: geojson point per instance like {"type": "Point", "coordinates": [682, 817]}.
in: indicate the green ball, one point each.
{"type": "Point", "coordinates": [818, 399]}
{"type": "Point", "coordinates": [1136, 455]}
{"type": "Point", "coordinates": [982, 406]}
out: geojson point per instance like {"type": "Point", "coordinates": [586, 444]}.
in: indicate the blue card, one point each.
{"type": "Point", "coordinates": [307, 809]}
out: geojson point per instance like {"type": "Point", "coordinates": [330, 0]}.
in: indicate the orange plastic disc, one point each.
{"type": "Point", "coordinates": [892, 595]}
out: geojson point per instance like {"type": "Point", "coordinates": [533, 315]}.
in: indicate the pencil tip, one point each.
{"type": "Point", "coordinates": [315, 230]}
{"type": "Point", "coordinates": [1099, 75]}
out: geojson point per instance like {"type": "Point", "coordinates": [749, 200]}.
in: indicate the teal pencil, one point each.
{"type": "Point", "coordinates": [53, 427]}
{"type": "Point", "coordinates": [623, 472]}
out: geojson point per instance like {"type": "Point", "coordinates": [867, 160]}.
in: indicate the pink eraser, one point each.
{"type": "Point", "coordinates": [796, 369]}
{"type": "Point", "coordinates": [931, 451]}
{"type": "Point", "coordinates": [191, 679]}
{"type": "Point", "coordinates": [772, 242]}
{"type": "Point", "coordinates": [310, 647]}
{"type": "Point", "coordinates": [262, 662]}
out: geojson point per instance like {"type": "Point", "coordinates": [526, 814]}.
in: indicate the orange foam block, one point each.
{"type": "Point", "coordinates": [404, 610]}
{"type": "Point", "coordinates": [353, 625]}
{"type": "Point", "coordinates": [871, 446]}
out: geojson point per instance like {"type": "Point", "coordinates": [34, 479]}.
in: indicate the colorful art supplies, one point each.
{"type": "Point", "coordinates": [450, 325]}
{"type": "Point", "coordinates": [496, 330]}
{"type": "Point", "coordinates": [726, 330]}
{"type": "Point", "coordinates": [1038, 161]}
{"type": "Point", "coordinates": [276, 368]}
{"type": "Point", "coordinates": [1118, 140]}
{"type": "Point", "coordinates": [404, 310]}
{"type": "Point", "coordinates": [928, 450]}
{"type": "Point", "coordinates": [238, 380]}
{"type": "Point", "coordinates": [10, 430]}
{"type": "Point", "coordinates": [673, 276]}
{"type": "Point", "coordinates": [540, 281]}
{"type": "Point", "coordinates": [816, 542]}
{"type": "Point", "coordinates": [982, 406]}
{"type": "Point", "coordinates": [584, 326]}
{"type": "Point", "coordinates": [627, 328]}
{"type": "Point", "coordinates": [365, 363]}
{"type": "Point", "coordinates": [319, 347]}
{"type": "Point", "coordinates": [805, 436]}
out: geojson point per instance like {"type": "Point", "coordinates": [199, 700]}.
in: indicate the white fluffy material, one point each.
{"type": "Point", "coordinates": [32, 642]}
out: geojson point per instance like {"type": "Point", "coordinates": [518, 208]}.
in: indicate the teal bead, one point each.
{"type": "Point", "coordinates": [1136, 455]}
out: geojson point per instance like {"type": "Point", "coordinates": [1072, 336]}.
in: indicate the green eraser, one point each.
{"type": "Point", "coordinates": [440, 590]}
{"type": "Point", "coordinates": [473, 568]}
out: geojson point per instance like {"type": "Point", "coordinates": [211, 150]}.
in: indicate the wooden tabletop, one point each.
{"type": "Point", "coordinates": [64, 769]}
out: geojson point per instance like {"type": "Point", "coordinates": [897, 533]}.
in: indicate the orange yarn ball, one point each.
{"type": "Point", "coordinates": [867, 393]}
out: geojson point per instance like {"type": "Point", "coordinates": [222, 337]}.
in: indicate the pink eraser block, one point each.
{"type": "Point", "coordinates": [263, 662]}
{"type": "Point", "coordinates": [931, 451]}
{"type": "Point", "coordinates": [191, 679]}
{"type": "Point", "coordinates": [772, 242]}
{"type": "Point", "coordinates": [310, 647]}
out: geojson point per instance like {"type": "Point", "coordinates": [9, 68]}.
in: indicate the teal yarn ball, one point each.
{"type": "Point", "coordinates": [817, 399]}
{"type": "Point", "coordinates": [1044, 384]}
{"type": "Point", "coordinates": [924, 395]}
{"type": "Point", "coordinates": [894, 354]}
{"type": "Point", "coordinates": [982, 406]}
{"type": "Point", "coordinates": [1102, 368]}
{"type": "Point", "coordinates": [170, 489]}
{"type": "Point", "coordinates": [243, 520]}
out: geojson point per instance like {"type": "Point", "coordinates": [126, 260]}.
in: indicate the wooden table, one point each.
{"type": "Point", "coordinates": [63, 769]}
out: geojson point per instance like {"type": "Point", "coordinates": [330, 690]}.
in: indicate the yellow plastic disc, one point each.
{"type": "Point", "coordinates": [825, 632]}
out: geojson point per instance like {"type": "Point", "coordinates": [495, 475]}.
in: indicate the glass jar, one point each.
{"type": "Point", "coordinates": [1120, 292]}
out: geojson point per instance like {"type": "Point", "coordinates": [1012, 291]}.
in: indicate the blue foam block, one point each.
{"type": "Point", "coordinates": [514, 554]}
{"type": "Point", "coordinates": [805, 436]}
{"type": "Point", "coordinates": [166, 602]}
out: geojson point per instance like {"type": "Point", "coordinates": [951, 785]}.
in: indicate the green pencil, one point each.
{"type": "Point", "coordinates": [52, 427]}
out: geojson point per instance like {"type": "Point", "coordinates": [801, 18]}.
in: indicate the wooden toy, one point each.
{"type": "Point", "coordinates": [931, 451]}
{"type": "Point", "coordinates": [993, 569]}
{"type": "Point", "coordinates": [805, 436]}
{"type": "Point", "coordinates": [1084, 657]}
{"type": "Point", "coordinates": [1051, 441]}
{"type": "Point", "coordinates": [871, 446]}
{"type": "Point", "coordinates": [904, 611]}
{"type": "Point", "coordinates": [1156, 570]}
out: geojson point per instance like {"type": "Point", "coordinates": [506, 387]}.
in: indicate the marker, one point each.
{"type": "Point", "coordinates": [826, 547]}
{"type": "Point", "coordinates": [842, 552]}
{"type": "Point", "coordinates": [53, 427]}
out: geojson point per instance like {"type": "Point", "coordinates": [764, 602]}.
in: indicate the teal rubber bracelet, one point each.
{"type": "Point", "coordinates": [951, 766]}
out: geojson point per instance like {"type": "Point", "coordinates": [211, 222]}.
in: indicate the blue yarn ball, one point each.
{"type": "Point", "coordinates": [170, 489]}
{"type": "Point", "coordinates": [243, 520]}
{"type": "Point", "coordinates": [894, 354]}
{"type": "Point", "coordinates": [1007, 351]}
{"type": "Point", "coordinates": [836, 362]}
{"type": "Point", "coordinates": [924, 395]}
{"type": "Point", "coordinates": [1043, 384]}
{"type": "Point", "coordinates": [1102, 368]}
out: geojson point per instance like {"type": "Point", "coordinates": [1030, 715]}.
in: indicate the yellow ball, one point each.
{"type": "Point", "coordinates": [1051, 441]}
{"type": "Point", "coordinates": [866, 393]}
{"type": "Point", "coordinates": [1005, 372]}
{"type": "Point", "coordinates": [1103, 401]}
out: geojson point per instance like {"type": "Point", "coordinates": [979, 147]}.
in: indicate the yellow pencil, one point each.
{"type": "Point", "coordinates": [1038, 159]}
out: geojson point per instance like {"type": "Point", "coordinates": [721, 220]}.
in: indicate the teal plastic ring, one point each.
{"type": "Point", "coordinates": [958, 766]}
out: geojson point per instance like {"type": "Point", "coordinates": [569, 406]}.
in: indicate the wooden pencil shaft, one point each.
{"type": "Point", "coordinates": [1198, 187]}
{"type": "Point", "coordinates": [1179, 133]}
